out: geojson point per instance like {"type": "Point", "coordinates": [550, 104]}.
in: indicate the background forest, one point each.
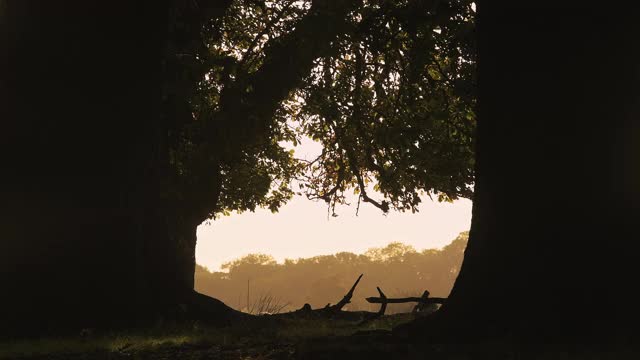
{"type": "Point", "coordinates": [398, 269]}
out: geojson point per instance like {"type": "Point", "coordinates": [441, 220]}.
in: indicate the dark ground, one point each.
{"type": "Point", "coordinates": [292, 339]}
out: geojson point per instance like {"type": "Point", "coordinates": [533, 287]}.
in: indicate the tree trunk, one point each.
{"type": "Point", "coordinates": [556, 186]}
{"type": "Point", "coordinates": [84, 238]}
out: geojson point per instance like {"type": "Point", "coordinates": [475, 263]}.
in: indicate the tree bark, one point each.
{"type": "Point", "coordinates": [80, 224]}
{"type": "Point", "coordinates": [556, 181]}
{"type": "Point", "coordinates": [85, 153]}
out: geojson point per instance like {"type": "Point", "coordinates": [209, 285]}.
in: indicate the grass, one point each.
{"type": "Point", "coordinates": [110, 343]}
{"type": "Point", "coordinates": [241, 335]}
{"type": "Point", "coordinates": [287, 339]}
{"type": "Point", "coordinates": [267, 304]}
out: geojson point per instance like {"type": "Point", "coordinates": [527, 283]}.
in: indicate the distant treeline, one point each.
{"type": "Point", "coordinates": [398, 269]}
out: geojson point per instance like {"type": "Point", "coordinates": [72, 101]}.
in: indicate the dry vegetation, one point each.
{"type": "Point", "coordinates": [398, 269]}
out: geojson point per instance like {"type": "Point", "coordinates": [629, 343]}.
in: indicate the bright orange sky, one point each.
{"type": "Point", "coordinates": [302, 229]}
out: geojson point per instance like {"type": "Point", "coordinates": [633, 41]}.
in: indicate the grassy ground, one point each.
{"type": "Point", "coordinates": [290, 339]}
{"type": "Point", "coordinates": [249, 340]}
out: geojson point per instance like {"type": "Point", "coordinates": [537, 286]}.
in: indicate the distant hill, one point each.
{"type": "Point", "coordinates": [399, 270]}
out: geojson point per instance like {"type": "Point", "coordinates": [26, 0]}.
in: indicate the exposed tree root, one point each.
{"type": "Point", "coordinates": [212, 311]}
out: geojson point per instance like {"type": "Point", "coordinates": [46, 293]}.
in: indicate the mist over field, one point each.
{"type": "Point", "coordinates": [398, 269]}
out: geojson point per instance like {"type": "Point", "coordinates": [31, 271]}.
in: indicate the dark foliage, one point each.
{"type": "Point", "coordinates": [129, 123]}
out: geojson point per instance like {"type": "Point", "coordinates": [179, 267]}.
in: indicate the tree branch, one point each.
{"type": "Point", "coordinates": [431, 300]}
{"type": "Point", "coordinates": [347, 298]}
{"type": "Point", "coordinates": [380, 312]}
{"type": "Point", "coordinates": [384, 205]}
{"type": "Point", "coordinates": [266, 29]}
{"type": "Point", "coordinates": [248, 107]}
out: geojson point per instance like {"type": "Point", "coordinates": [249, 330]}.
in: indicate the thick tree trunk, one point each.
{"type": "Point", "coordinates": [556, 192]}
{"type": "Point", "coordinates": [84, 236]}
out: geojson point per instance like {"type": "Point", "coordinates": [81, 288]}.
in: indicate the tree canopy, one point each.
{"type": "Point", "coordinates": [194, 115]}
{"type": "Point", "coordinates": [386, 87]}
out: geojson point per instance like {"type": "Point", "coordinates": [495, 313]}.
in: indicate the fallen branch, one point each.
{"type": "Point", "coordinates": [422, 305]}
{"type": "Point", "coordinates": [379, 300]}
{"type": "Point", "coordinates": [422, 301]}
{"type": "Point", "coordinates": [380, 312]}
{"type": "Point", "coordinates": [336, 312]}
{"type": "Point", "coordinates": [331, 311]}
{"type": "Point", "coordinates": [347, 298]}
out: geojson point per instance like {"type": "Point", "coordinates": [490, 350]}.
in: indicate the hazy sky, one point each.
{"type": "Point", "coordinates": [302, 229]}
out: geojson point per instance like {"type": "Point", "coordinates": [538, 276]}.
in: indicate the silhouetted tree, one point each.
{"type": "Point", "coordinates": [114, 147]}
{"type": "Point", "coordinates": [556, 190]}
{"type": "Point", "coordinates": [131, 123]}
